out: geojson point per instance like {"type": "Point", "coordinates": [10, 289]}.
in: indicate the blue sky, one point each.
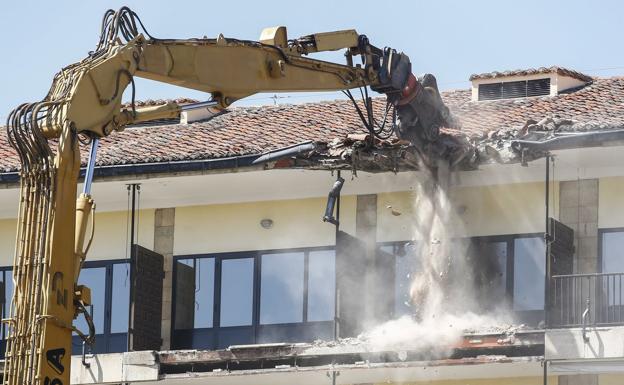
{"type": "Point", "coordinates": [451, 39]}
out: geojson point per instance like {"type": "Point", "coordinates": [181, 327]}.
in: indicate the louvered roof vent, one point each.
{"type": "Point", "coordinates": [515, 89]}
{"type": "Point", "coordinates": [525, 83]}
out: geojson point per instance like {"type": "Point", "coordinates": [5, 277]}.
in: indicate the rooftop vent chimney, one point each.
{"type": "Point", "coordinates": [525, 83]}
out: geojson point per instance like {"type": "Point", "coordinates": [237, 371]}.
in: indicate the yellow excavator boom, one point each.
{"type": "Point", "coordinates": [84, 103]}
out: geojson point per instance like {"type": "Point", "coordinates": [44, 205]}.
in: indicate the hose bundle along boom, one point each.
{"type": "Point", "coordinates": [84, 104]}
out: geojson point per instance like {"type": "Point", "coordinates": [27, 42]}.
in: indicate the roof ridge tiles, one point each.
{"type": "Point", "coordinates": [533, 71]}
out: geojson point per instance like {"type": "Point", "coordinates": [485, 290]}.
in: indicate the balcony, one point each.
{"type": "Point", "coordinates": [582, 300]}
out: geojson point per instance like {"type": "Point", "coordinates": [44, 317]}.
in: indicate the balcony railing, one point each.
{"type": "Point", "coordinates": [580, 300]}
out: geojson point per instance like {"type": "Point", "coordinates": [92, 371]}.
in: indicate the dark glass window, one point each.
{"type": "Point", "coordinates": [281, 290]}
{"type": "Point", "coordinates": [110, 295]}
{"type": "Point", "coordinates": [529, 274]}
{"type": "Point", "coordinates": [612, 252]}
{"type": "Point", "coordinates": [257, 297]}
{"type": "Point", "coordinates": [407, 265]}
{"type": "Point", "coordinates": [195, 293]}
{"type": "Point", "coordinates": [612, 259]}
{"type": "Point", "coordinates": [495, 261]}
{"type": "Point", "coordinates": [321, 285]}
{"type": "Point", "coordinates": [120, 298]}
{"type": "Point", "coordinates": [7, 279]}
{"type": "Point", "coordinates": [109, 282]}
{"type": "Point", "coordinates": [237, 291]}
{"type": "Point", "coordinates": [95, 279]}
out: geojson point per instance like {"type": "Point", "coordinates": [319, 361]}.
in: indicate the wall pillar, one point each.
{"type": "Point", "coordinates": [578, 209]}
{"type": "Point", "coordinates": [164, 224]}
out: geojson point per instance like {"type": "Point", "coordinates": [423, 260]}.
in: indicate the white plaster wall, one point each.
{"type": "Point", "coordinates": [568, 344]}
{"type": "Point", "coordinates": [7, 241]}
{"type": "Point", "coordinates": [109, 242]}
{"type": "Point", "coordinates": [565, 82]}
{"type": "Point", "coordinates": [111, 239]}
{"type": "Point", "coordinates": [611, 202]}
{"type": "Point", "coordinates": [516, 208]}
{"type": "Point", "coordinates": [236, 227]}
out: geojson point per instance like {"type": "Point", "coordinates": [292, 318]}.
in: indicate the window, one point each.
{"type": "Point", "coordinates": [321, 285]}
{"type": "Point", "coordinates": [406, 266]}
{"type": "Point", "coordinates": [491, 269]}
{"type": "Point", "coordinates": [281, 290]}
{"type": "Point", "coordinates": [95, 279]}
{"type": "Point", "coordinates": [237, 292]}
{"type": "Point", "coordinates": [612, 261]}
{"type": "Point", "coordinates": [120, 298]}
{"type": "Point", "coordinates": [253, 297]}
{"type": "Point", "coordinates": [6, 276]}
{"type": "Point", "coordinates": [195, 287]}
{"type": "Point", "coordinates": [511, 267]}
{"type": "Point", "coordinates": [529, 274]}
{"type": "Point", "coordinates": [612, 251]}
{"type": "Point", "coordinates": [109, 282]}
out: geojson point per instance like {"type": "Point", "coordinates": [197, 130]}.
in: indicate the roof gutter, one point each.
{"type": "Point", "coordinates": [234, 162]}
{"type": "Point", "coordinates": [572, 141]}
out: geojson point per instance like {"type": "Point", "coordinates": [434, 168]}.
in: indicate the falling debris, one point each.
{"type": "Point", "coordinates": [393, 211]}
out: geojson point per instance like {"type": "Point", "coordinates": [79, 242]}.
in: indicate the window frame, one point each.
{"type": "Point", "coordinates": [523, 315]}
{"type": "Point", "coordinates": [601, 232]}
{"type": "Point", "coordinates": [102, 339]}
{"type": "Point", "coordinates": [509, 239]}
{"type": "Point", "coordinates": [256, 327]}
{"type": "Point", "coordinates": [106, 337]}
{"type": "Point", "coordinates": [395, 245]}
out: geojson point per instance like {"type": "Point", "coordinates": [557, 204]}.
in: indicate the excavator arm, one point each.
{"type": "Point", "coordinates": [84, 103]}
{"type": "Point", "coordinates": [228, 69]}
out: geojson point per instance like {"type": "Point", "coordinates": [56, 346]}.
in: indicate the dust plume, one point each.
{"type": "Point", "coordinates": [450, 294]}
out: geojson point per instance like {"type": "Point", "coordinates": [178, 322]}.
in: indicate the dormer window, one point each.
{"type": "Point", "coordinates": [526, 83]}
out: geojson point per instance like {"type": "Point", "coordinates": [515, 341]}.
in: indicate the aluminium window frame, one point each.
{"type": "Point", "coordinates": [395, 245]}
{"type": "Point", "coordinates": [522, 315]}
{"type": "Point", "coordinates": [256, 326]}
{"type": "Point", "coordinates": [601, 232]}
{"type": "Point", "coordinates": [509, 268]}
{"type": "Point", "coordinates": [108, 282]}
{"type": "Point", "coordinates": [107, 335]}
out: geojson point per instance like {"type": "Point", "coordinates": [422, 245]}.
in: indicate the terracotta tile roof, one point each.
{"type": "Point", "coordinates": [598, 105]}
{"type": "Point", "coordinates": [532, 71]}
{"type": "Point", "coordinates": [254, 130]}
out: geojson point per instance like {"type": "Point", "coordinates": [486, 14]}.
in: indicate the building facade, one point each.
{"type": "Point", "coordinates": [255, 285]}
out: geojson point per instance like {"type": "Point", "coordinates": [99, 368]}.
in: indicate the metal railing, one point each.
{"type": "Point", "coordinates": [581, 300]}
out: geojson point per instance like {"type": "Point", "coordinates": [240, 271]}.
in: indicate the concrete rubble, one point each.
{"type": "Point", "coordinates": [518, 144]}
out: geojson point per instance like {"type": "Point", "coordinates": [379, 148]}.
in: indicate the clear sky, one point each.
{"type": "Point", "coordinates": [451, 39]}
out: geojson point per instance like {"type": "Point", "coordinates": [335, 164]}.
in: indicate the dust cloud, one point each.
{"type": "Point", "coordinates": [449, 298]}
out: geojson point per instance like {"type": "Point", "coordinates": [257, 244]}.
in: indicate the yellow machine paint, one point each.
{"type": "Point", "coordinates": [84, 104]}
